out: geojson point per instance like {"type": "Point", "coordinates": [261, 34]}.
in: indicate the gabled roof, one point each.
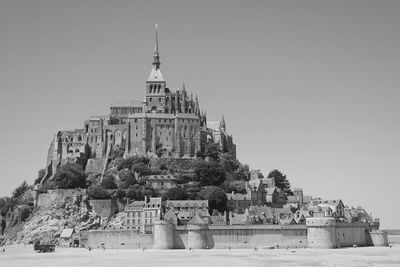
{"type": "Point", "coordinates": [196, 220]}
{"type": "Point", "coordinates": [237, 196]}
{"type": "Point", "coordinates": [67, 233]}
{"type": "Point", "coordinates": [155, 76]}
{"type": "Point", "coordinates": [155, 201]}
{"type": "Point", "coordinates": [262, 212]}
{"type": "Point", "coordinates": [135, 204]}
{"type": "Point", "coordinates": [187, 203]}
{"type": "Point", "coordinates": [161, 177]}
{"type": "Point", "coordinates": [287, 221]}
{"type": "Point", "coordinates": [270, 190]}
{"type": "Point", "coordinates": [218, 219]}
{"type": "Point", "coordinates": [240, 219]}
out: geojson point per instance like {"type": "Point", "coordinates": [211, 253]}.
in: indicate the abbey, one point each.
{"type": "Point", "coordinates": [167, 123]}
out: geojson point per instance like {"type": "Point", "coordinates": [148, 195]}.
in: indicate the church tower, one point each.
{"type": "Point", "coordinates": [155, 84]}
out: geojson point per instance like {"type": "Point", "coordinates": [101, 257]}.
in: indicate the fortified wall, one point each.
{"type": "Point", "coordinates": [325, 232]}
{"type": "Point", "coordinates": [318, 233]}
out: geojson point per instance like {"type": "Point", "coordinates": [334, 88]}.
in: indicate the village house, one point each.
{"type": "Point", "coordinates": [141, 215]}
{"type": "Point", "coordinates": [184, 210]}
{"type": "Point", "coordinates": [260, 215]}
{"type": "Point", "coordinates": [237, 202]}
{"type": "Point", "coordinates": [162, 182]}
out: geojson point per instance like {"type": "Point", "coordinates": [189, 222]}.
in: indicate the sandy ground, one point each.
{"type": "Point", "coordinates": [16, 256]}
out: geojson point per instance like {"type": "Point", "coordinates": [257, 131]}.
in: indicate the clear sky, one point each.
{"type": "Point", "coordinates": [308, 87]}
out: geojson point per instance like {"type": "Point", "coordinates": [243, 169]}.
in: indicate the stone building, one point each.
{"type": "Point", "coordinates": [141, 215]}
{"type": "Point", "coordinates": [184, 210]}
{"type": "Point", "coordinates": [161, 182]}
{"type": "Point", "coordinates": [167, 123]}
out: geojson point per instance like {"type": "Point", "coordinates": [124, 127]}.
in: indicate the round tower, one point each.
{"type": "Point", "coordinates": [321, 232]}
{"type": "Point", "coordinates": [379, 238]}
{"type": "Point", "coordinates": [163, 235]}
{"type": "Point", "coordinates": [197, 233]}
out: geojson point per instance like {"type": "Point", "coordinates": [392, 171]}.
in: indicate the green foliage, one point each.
{"type": "Point", "coordinates": [193, 192]}
{"type": "Point", "coordinates": [126, 178]}
{"type": "Point", "coordinates": [212, 150]}
{"type": "Point", "coordinates": [235, 186]}
{"type": "Point", "coordinates": [177, 193]}
{"type": "Point", "coordinates": [20, 190]}
{"type": "Point", "coordinates": [163, 167]}
{"type": "Point", "coordinates": [216, 197]}
{"type": "Point", "coordinates": [120, 194]}
{"type": "Point", "coordinates": [24, 213]}
{"type": "Point", "coordinates": [70, 176]}
{"type": "Point", "coordinates": [97, 192]}
{"type": "Point", "coordinates": [40, 176]}
{"type": "Point", "coordinates": [142, 169]}
{"type": "Point", "coordinates": [281, 181]}
{"type": "Point", "coordinates": [117, 153]}
{"type": "Point", "coordinates": [209, 173]}
{"type": "Point", "coordinates": [134, 192]}
{"type": "Point", "coordinates": [128, 163]}
{"type": "Point", "coordinates": [108, 182]}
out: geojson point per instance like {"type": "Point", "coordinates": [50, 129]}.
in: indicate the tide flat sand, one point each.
{"type": "Point", "coordinates": [19, 256]}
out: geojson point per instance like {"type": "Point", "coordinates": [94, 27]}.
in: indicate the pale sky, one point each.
{"type": "Point", "coordinates": [308, 87]}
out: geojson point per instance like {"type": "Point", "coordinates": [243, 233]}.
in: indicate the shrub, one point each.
{"type": "Point", "coordinates": [134, 192]}
{"type": "Point", "coordinates": [120, 193]}
{"type": "Point", "coordinates": [216, 197]}
{"type": "Point", "coordinates": [177, 194]}
{"type": "Point", "coordinates": [97, 192]}
{"type": "Point", "coordinates": [108, 182]}
{"type": "Point", "coordinates": [70, 176]}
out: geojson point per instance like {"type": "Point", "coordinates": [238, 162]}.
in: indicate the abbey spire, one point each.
{"type": "Point", "coordinates": [156, 54]}
{"type": "Point", "coordinates": [156, 74]}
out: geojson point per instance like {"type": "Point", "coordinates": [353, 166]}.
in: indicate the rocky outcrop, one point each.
{"type": "Point", "coordinates": [46, 224]}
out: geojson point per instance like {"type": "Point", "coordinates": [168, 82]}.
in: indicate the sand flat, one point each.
{"type": "Point", "coordinates": [20, 256]}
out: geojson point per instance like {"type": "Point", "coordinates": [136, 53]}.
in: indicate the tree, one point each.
{"type": "Point", "coordinates": [142, 169]}
{"type": "Point", "coordinates": [120, 194]}
{"type": "Point", "coordinates": [237, 187]}
{"type": "Point", "coordinates": [41, 174]}
{"type": "Point", "coordinates": [134, 192]}
{"type": "Point", "coordinates": [97, 192]}
{"type": "Point", "coordinates": [177, 193]}
{"type": "Point", "coordinates": [242, 172]}
{"type": "Point", "coordinates": [70, 176]}
{"type": "Point", "coordinates": [126, 178]}
{"type": "Point", "coordinates": [212, 150]}
{"type": "Point", "coordinates": [108, 182]}
{"type": "Point", "coordinates": [20, 190]}
{"type": "Point", "coordinates": [216, 197]}
{"type": "Point", "coordinates": [193, 192]}
{"type": "Point", "coordinates": [209, 173]}
{"type": "Point", "coordinates": [128, 163]}
{"type": "Point", "coordinates": [281, 181]}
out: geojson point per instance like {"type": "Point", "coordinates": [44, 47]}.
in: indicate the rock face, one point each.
{"type": "Point", "coordinates": [47, 224]}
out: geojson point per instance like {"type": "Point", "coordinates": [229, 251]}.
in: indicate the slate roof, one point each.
{"type": "Point", "coordinates": [196, 220]}
{"type": "Point", "coordinates": [237, 196]}
{"type": "Point", "coordinates": [240, 219]}
{"type": "Point", "coordinates": [67, 233]}
{"type": "Point", "coordinates": [155, 75]}
{"type": "Point", "coordinates": [187, 203]}
{"type": "Point", "coordinates": [161, 177]}
{"type": "Point", "coordinates": [262, 212]}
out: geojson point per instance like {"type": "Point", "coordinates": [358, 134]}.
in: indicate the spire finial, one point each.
{"type": "Point", "coordinates": [156, 45]}
{"type": "Point", "coordinates": [156, 54]}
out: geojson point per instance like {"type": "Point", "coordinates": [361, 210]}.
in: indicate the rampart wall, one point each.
{"type": "Point", "coordinates": [118, 239]}
{"type": "Point", "coordinates": [52, 196]}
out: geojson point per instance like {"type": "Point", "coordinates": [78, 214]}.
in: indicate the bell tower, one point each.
{"type": "Point", "coordinates": [155, 84]}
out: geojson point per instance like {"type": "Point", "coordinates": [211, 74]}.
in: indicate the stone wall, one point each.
{"type": "Point", "coordinates": [104, 207]}
{"type": "Point", "coordinates": [325, 232]}
{"type": "Point", "coordinates": [95, 165]}
{"type": "Point", "coordinates": [52, 196]}
{"type": "Point", "coordinates": [118, 239]}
